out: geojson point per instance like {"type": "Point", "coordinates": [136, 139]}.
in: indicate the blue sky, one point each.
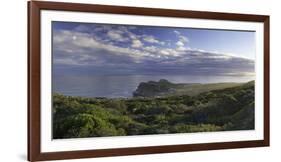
{"type": "Point", "coordinates": [103, 49]}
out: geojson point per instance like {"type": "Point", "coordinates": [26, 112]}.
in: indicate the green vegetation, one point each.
{"type": "Point", "coordinates": [166, 88]}
{"type": "Point", "coordinates": [216, 110]}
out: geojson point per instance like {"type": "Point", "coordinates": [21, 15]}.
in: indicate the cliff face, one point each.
{"type": "Point", "coordinates": [165, 88]}
{"type": "Point", "coordinates": [154, 89]}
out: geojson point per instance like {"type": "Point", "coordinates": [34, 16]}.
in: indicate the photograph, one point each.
{"type": "Point", "coordinates": [131, 80]}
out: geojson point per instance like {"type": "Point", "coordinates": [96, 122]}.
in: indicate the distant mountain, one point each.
{"type": "Point", "coordinates": [165, 88]}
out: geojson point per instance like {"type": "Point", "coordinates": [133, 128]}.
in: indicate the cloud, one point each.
{"type": "Point", "coordinates": [182, 48]}
{"type": "Point", "coordinates": [92, 53]}
{"type": "Point", "coordinates": [116, 35]}
{"type": "Point", "coordinates": [180, 43]}
{"type": "Point", "coordinates": [82, 28]}
{"type": "Point", "coordinates": [136, 43]}
{"type": "Point", "coordinates": [151, 39]}
{"type": "Point", "coordinates": [151, 49]}
{"type": "Point", "coordinates": [182, 40]}
{"type": "Point", "coordinates": [177, 32]}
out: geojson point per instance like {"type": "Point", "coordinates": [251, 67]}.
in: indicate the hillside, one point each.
{"type": "Point", "coordinates": [166, 88]}
{"type": "Point", "coordinates": [217, 110]}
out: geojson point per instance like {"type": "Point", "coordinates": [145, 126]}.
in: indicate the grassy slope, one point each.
{"type": "Point", "coordinates": [165, 88]}
{"type": "Point", "coordinates": [196, 89]}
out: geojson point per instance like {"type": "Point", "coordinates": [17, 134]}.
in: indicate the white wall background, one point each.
{"type": "Point", "coordinates": [13, 76]}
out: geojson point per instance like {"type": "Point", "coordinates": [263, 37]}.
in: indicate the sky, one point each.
{"type": "Point", "coordinates": [107, 49]}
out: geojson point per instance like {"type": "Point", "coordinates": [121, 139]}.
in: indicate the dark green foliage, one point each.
{"type": "Point", "coordinates": [217, 110]}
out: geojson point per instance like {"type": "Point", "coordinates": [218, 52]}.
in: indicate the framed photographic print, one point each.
{"type": "Point", "coordinates": [113, 80]}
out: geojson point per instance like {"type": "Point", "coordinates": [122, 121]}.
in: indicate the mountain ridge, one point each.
{"type": "Point", "coordinates": [164, 88]}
